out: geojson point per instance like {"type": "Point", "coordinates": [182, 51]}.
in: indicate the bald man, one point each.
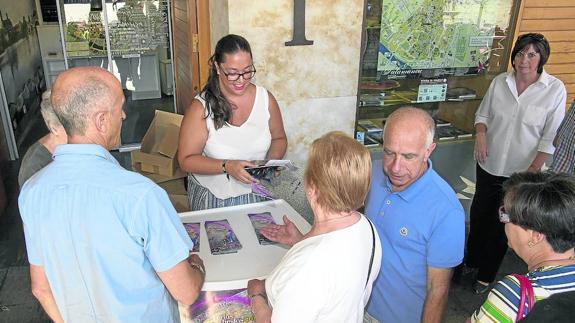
{"type": "Point", "coordinates": [104, 244]}
{"type": "Point", "coordinates": [420, 222]}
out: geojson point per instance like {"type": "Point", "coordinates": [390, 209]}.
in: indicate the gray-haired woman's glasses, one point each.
{"type": "Point", "coordinates": [503, 216]}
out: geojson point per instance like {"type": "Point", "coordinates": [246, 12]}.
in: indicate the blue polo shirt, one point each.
{"type": "Point", "coordinates": [101, 233]}
{"type": "Point", "coordinates": [419, 227]}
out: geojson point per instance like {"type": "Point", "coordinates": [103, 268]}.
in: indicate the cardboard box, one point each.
{"type": "Point", "coordinates": [174, 187]}
{"type": "Point", "coordinates": [177, 193]}
{"type": "Point", "coordinates": [157, 178]}
{"type": "Point", "coordinates": [159, 147]}
{"type": "Point", "coordinates": [180, 202]}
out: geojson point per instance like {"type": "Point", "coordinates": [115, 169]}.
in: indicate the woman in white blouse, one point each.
{"type": "Point", "coordinates": [327, 274]}
{"type": "Point", "coordinates": [515, 126]}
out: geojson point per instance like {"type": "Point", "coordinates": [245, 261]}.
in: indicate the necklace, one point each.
{"type": "Point", "coordinates": [337, 218]}
{"type": "Point", "coordinates": [540, 264]}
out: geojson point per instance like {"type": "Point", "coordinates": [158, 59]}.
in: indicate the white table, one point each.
{"type": "Point", "coordinates": [233, 271]}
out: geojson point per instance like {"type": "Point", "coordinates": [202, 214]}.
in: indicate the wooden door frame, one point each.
{"type": "Point", "coordinates": [191, 58]}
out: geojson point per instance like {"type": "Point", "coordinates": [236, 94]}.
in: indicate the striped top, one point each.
{"type": "Point", "coordinates": [503, 300]}
{"type": "Point", "coordinates": [564, 157]}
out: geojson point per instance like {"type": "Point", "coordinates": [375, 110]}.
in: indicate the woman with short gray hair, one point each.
{"type": "Point", "coordinates": [539, 218]}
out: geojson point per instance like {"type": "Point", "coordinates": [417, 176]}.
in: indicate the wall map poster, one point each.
{"type": "Point", "coordinates": [421, 35]}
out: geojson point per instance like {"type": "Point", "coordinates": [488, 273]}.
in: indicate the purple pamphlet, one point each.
{"type": "Point", "coordinates": [221, 237]}
{"type": "Point", "coordinates": [259, 221]}
{"type": "Point", "coordinates": [193, 230]}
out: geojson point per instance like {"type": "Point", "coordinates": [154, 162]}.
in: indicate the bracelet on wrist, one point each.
{"type": "Point", "coordinates": [198, 267]}
{"type": "Point", "coordinates": [262, 295]}
{"type": "Point", "coordinates": [224, 166]}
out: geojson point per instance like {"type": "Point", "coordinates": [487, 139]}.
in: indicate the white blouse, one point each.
{"type": "Point", "coordinates": [518, 126]}
{"type": "Point", "coordinates": [323, 279]}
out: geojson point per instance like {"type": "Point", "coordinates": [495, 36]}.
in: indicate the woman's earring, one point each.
{"type": "Point", "coordinates": [530, 243]}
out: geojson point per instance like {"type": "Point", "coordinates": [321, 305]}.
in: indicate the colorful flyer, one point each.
{"type": "Point", "coordinates": [193, 230]}
{"type": "Point", "coordinates": [259, 221]}
{"type": "Point", "coordinates": [221, 237]}
{"type": "Point", "coordinates": [222, 306]}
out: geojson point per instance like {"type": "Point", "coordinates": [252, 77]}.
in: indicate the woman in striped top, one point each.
{"type": "Point", "coordinates": [539, 217]}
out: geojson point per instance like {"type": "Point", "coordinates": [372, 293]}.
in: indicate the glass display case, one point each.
{"type": "Point", "coordinates": [131, 39]}
{"type": "Point", "coordinates": [439, 56]}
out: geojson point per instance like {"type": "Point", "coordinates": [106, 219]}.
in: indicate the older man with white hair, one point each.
{"type": "Point", "coordinates": [104, 244]}
{"type": "Point", "coordinates": [420, 222]}
{"type": "Point", "coordinates": [40, 153]}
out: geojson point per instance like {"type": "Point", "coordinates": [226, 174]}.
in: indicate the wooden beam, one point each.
{"type": "Point", "coordinates": [549, 13]}
{"type": "Point", "coordinates": [204, 50]}
{"type": "Point", "coordinates": [553, 36]}
{"type": "Point", "coordinates": [562, 58]}
{"type": "Point", "coordinates": [562, 47]}
{"type": "Point", "coordinates": [566, 78]}
{"type": "Point", "coordinates": [543, 25]}
{"type": "Point", "coordinates": [548, 3]}
{"type": "Point", "coordinates": [556, 69]}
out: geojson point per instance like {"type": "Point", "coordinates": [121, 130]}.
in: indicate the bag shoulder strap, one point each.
{"type": "Point", "coordinates": [372, 251]}
{"type": "Point", "coordinates": [527, 294]}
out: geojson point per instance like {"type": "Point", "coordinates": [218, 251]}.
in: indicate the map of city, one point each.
{"type": "Point", "coordinates": [430, 34]}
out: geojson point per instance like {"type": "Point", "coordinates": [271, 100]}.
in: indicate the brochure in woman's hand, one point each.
{"type": "Point", "coordinates": [266, 169]}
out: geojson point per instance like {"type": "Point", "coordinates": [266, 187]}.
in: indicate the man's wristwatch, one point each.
{"type": "Point", "coordinates": [198, 267]}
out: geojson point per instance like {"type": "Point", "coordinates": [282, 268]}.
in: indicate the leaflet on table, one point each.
{"type": "Point", "coordinates": [221, 237]}
{"type": "Point", "coordinates": [193, 230]}
{"type": "Point", "coordinates": [260, 221]}
{"type": "Point", "coordinates": [222, 306]}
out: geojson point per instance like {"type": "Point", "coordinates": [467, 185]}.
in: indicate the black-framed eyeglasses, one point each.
{"type": "Point", "coordinates": [233, 76]}
{"type": "Point", "coordinates": [503, 215]}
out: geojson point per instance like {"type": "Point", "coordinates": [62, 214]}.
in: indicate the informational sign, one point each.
{"type": "Point", "coordinates": [432, 90]}
{"type": "Point", "coordinates": [420, 35]}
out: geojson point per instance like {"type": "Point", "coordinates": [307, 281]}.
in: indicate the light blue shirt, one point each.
{"type": "Point", "coordinates": [101, 233]}
{"type": "Point", "coordinates": [419, 227]}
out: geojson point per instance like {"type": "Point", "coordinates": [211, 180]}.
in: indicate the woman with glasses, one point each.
{"type": "Point", "coordinates": [229, 124]}
{"type": "Point", "coordinates": [538, 215]}
{"type": "Point", "coordinates": [515, 126]}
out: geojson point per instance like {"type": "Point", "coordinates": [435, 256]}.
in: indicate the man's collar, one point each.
{"type": "Point", "coordinates": [414, 188]}
{"type": "Point", "coordinates": [84, 149]}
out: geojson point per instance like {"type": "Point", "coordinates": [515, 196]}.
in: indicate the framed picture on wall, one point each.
{"type": "Point", "coordinates": [20, 68]}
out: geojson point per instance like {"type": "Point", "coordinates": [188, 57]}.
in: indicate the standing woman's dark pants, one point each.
{"type": "Point", "coordinates": [487, 243]}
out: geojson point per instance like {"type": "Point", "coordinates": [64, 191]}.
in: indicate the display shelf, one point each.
{"type": "Point", "coordinates": [449, 76]}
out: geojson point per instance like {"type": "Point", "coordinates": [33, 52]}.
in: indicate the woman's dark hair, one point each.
{"type": "Point", "coordinates": [543, 202]}
{"type": "Point", "coordinates": [216, 103]}
{"type": "Point", "coordinates": [540, 44]}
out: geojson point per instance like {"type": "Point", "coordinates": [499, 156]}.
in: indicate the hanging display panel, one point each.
{"type": "Point", "coordinates": [137, 27]}
{"type": "Point", "coordinates": [434, 38]}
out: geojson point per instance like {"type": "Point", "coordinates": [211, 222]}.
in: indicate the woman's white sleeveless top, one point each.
{"type": "Point", "coordinates": [250, 141]}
